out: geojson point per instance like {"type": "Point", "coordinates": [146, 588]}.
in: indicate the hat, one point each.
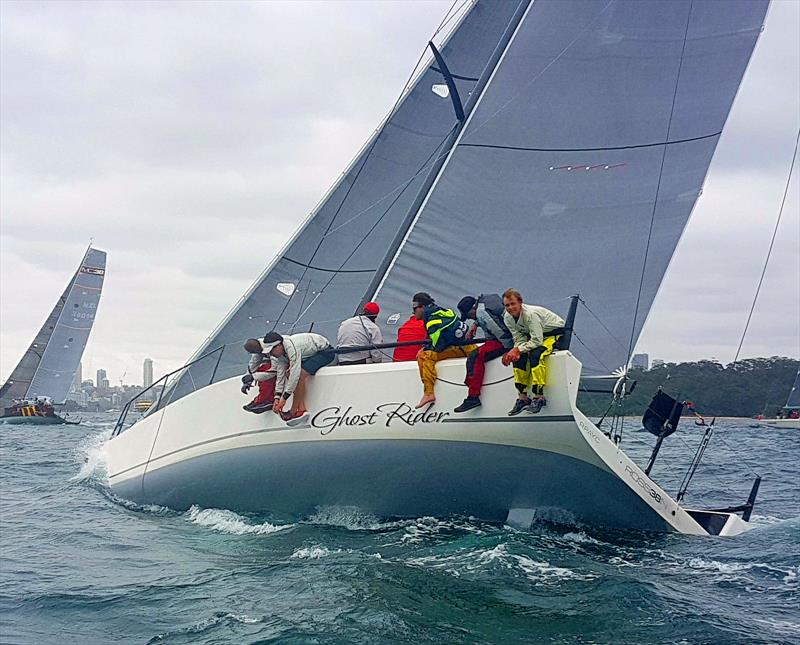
{"type": "Point", "coordinates": [465, 305]}
{"type": "Point", "coordinates": [271, 340]}
{"type": "Point", "coordinates": [372, 309]}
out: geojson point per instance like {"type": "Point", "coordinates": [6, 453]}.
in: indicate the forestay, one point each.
{"type": "Point", "coordinates": [580, 165]}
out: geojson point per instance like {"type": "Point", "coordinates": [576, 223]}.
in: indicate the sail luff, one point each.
{"type": "Point", "coordinates": [793, 401]}
{"type": "Point", "coordinates": [420, 70]}
{"type": "Point", "coordinates": [437, 168]}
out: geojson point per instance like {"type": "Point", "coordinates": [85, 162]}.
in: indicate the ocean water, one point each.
{"type": "Point", "coordinates": [78, 565]}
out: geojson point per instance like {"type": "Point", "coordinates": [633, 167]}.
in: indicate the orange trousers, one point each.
{"type": "Point", "coordinates": [427, 362]}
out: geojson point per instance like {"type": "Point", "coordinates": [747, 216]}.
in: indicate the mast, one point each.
{"type": "Point", "coordinates": [447, 149]}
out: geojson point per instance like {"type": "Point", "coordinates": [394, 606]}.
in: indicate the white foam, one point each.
{"type": "Point", "coordinates": [471, 562]}
{"type": "Point", "coordinates": [313, 553]}
{"type": "Point", "coordinates": [90, 452]}
{"type": "Point", "coordinates": [225, 521]}
{"type": "Point", "coordinates": [424, 528]}
{"type": "Point", "coordinates": [350, 517]}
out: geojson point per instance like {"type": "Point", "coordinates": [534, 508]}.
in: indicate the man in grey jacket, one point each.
{"type": "Point", "coordinates": [487, 312]}
{"type": "Point", "coordinates": [535, 331]}
{"type": "Point", "coordinates": [295, 358]}
{"type": "Point", "coordinates": [360, 331]}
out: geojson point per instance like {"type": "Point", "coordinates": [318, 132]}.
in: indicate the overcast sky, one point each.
{"type": "Point", "coordinates": [189, 140]}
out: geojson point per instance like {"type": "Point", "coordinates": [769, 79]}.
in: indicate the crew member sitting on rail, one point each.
{"type": "Point", "coordinates": [295, 357]}
{"type": "Point", "coordinates": [361, 331]}
{"type": "Point", "coordinates": [535, 331]}
{"type": "Point", "coordinates": [260, 370]}
{"type": "Point", "coordinates": [487, 312]}
{"type": "Point", "coordinates": [412, 329]}
{"type": "Point", "coordinates": [445, 331]}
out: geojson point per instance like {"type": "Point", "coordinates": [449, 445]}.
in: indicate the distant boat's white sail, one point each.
{"type": "Point", "coordinates": [794, 394]}
{"type": "Point", "coordinates": [582, 162]}
{"type": "Point", "coordinates": [50, 363]}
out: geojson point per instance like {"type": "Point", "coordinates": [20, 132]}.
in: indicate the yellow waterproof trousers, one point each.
{"type": "Point", "coordinates": [530, 369]}
{"type": "Point", "coordinates": [427, 360]}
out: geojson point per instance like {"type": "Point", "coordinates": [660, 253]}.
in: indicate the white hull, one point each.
{"type": "Point", "coordinates": [365, 446]}
{"type": "Point", "coordinates": [793, 424]}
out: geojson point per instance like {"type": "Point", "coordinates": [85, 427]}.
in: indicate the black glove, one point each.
{"type": "Point", "coordinates": [247, 379]}
{"type": "Point", "coordinates": [245, 389]}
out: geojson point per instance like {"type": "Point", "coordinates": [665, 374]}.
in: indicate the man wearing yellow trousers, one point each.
{"type": "Point", "coordinates": [445, 330]}
{"type": "Point", "coordinates": [535, 331]}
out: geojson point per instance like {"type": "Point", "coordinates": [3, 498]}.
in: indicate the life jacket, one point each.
{"type": "Point", "coordinates": [443, 326]}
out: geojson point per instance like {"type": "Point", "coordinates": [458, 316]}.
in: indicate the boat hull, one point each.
{"type": "Point", "coordinates": [793, 424]}
{"type": "Point", "coordinates": [33, 420]}
{"type": "Point", "coordinates": [366, 446]}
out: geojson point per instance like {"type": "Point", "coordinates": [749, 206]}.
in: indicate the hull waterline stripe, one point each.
{"type": "Point", "coordinates": [526, 419]}
{"type": "Point", "coordinates": [265, 430]}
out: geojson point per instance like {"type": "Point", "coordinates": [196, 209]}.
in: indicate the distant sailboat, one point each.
{"type": "Point", "coordinates": [789, 416]}
{"type": "Point", "coordinates": [47, 369]}
{"type": "Point", "coordinates": [571, 167]}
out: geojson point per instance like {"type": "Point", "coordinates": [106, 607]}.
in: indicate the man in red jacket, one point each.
{"type": "Point", "coordinates": [411, 329]}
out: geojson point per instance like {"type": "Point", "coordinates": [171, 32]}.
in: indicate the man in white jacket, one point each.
{"type": "Point", "coordinates": [535, 331]}
{"type": "Point", "coordinates": [361, 331]}
{"type": "Point", "coordinates": [295, 357]}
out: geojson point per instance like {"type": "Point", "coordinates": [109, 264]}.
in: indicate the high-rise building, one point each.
{"type": "Point", "coordinates": [102, 380]}
{"type": "Point", "coordinates": [147, 372]}
{"type": "Point", "coordinates": [76, 383]}
{"type": "Point", "coordinates": [641, 361]}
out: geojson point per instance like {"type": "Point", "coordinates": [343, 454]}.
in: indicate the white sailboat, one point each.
{"type": "Point", "coordinates": [584, 142]}
{"type": "Point", "coordinates": [789, 416]}
{"type": "Point", "coordinates": [48, 367]}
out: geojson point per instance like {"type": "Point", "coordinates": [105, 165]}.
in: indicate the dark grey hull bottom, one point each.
{"type": "Point", "coordinates": [396, 479]}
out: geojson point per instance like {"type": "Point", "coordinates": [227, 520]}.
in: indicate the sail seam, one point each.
{"type": "Point", "coordinates": [449, 156]}
{"type": "Point", "coordinates": [340, 270]}
{"type": "Point", "coordinates": [631, 147]}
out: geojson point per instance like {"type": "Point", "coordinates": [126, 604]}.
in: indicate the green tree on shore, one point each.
{"type": "Point", "coordinates": [747, 388]}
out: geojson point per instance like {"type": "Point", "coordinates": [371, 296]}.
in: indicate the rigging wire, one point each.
{"type": "Point", "coordinates": [769, 252]}
{"type": "Point", "coordinates": [658, 185]}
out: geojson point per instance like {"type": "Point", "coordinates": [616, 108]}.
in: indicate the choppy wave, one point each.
{"type": "Point", "coordinates": [225, 521]}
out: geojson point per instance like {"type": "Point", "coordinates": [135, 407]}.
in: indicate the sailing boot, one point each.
{"type": "Point", "coordinates": [536, 405]}
{"type": "Point", "coordinates": [468, 404]}
{"type": "Point", "coordinates": [519, 406]}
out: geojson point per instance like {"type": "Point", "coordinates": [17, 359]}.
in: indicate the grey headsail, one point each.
{"type": "Point", "coordinates": [50, 363]}
{"type": "Point", "coordinates": [580, 165]}
{"type": "Point", "coordinates": [321, 275]}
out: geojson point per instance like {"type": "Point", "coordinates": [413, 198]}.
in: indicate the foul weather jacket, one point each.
{"type": "Point", "coordinates": [533, 323]}
{"type": "Point", "coordinates": [359, 331]}
{"type": "Point", "coordinates": [443, 326]}
{"type": "Point", "coordinates": [489, 317]}
{"type": "Point", "coordinates": [296, 347]}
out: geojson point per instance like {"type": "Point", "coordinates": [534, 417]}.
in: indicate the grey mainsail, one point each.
{"type": "Point", "coordinates": [580, 166]}
{"type": "Point", "coordinates": [50, 363]}
{"type": "Point", "coordinates": [585, 147]}
{"type": "Point", "coordinates": [320, 276]}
